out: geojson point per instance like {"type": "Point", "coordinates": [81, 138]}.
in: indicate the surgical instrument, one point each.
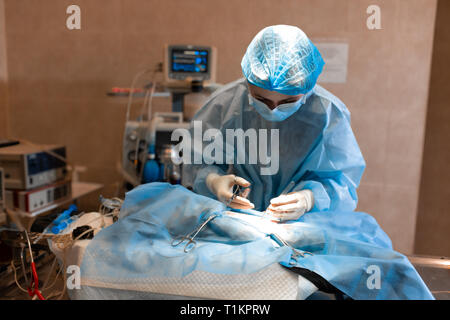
{"type": "Point", "coordinates": [288, 188]}
{"type": "Point", "coordinates": [191, 243]}
{"type": "Point", "coordinates": [295, 252]}
{"type": "Point", "coordinates": [238, 191]}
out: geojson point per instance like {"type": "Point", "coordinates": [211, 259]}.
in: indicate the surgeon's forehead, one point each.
{"type": "Point", "coordinates": [271, 95]}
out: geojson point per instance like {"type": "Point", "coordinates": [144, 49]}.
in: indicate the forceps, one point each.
{"type": "Point", "coordinates": [238, 191]}
{"type": "Point", "coordinates": [295, 252]}
{"type": "Point", "coordinates": [191, 243]}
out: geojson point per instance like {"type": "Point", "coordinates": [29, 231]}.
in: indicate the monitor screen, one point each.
{"type": "Point", "coordinates": [189, 61]}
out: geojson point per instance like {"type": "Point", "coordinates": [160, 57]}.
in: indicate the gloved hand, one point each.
{"type": "Point", "coordinates": [222, 187]}
{"type": "Point", "coordinates": [292, 205]}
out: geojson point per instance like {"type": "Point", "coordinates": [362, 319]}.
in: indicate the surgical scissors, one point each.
{"type": "Point", "coordinates": [191, 243]}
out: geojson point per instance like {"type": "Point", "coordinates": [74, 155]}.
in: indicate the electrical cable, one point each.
{"type": "Point", "coordinates": [138, 138]}
{"type": "Point", "coordinates": [15, 277]}
{"type": "Point", "coordinates": [128, 111]}
{"type": "Point", "coordinates": [33, 289]}
{"type": "Point", "coordinates": [149, 118]}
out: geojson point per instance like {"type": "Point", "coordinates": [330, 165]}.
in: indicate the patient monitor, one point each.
{"type": "Point", "coordinates": [185, 65]}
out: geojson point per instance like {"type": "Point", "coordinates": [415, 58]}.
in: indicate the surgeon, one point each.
{"type": "Point", "coordinates": [320, 163]}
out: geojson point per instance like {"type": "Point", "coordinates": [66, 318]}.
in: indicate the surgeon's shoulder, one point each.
{"type": "Point", "coordinates": [225, 100]}
{"type": "Point", "coordinates": [329, 100]}
{"type": "Point", "coordinates": [229, 90]}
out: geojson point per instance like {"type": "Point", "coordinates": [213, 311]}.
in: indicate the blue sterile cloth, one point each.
{"type": "Point", "coordinates": [345, 246]}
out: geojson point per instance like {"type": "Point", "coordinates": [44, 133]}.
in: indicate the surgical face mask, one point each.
{"type": "Point", "coordinates": [280, 113]}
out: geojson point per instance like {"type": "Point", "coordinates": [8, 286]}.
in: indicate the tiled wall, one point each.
{"type": "Point", "coordinates": [433, 221]}
{"type": "Point", "coordinates": [58, 78]}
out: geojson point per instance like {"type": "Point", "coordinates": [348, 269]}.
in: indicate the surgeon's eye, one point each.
{"type": "Point", "coordinates": [266, 101]}
{"type": "Point", "coordinates": [289, 100]}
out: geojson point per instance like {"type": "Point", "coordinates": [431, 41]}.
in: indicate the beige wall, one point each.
{"type": "Point", "coordinates": [3, 75]}
{"type": "Point", "coordinates": [58, 78]}
{"type": "Point", "coordinates": [433, 221]}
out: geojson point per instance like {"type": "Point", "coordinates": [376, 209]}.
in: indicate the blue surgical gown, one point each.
{"type": "Point", "coordinates": [317, 149]}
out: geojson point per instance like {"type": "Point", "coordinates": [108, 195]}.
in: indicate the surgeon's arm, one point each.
{"type": "Point", "coordinates": [335, 166]}
{"type": "Point", "coordinates": [201, 173]}
{"type": "Point", "coordinates": [209, 117]}
{"type": "Point", "coordinates": [209, 171]}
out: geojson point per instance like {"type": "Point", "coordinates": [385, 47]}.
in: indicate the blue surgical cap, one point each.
{"type": "Point", "coordinates": [282, 58]}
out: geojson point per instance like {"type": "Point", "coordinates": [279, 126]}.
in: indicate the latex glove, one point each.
{"type": "Point", "coordinates": [291, 206]}
{"type": "Point", "coordinates": [222, 187]}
